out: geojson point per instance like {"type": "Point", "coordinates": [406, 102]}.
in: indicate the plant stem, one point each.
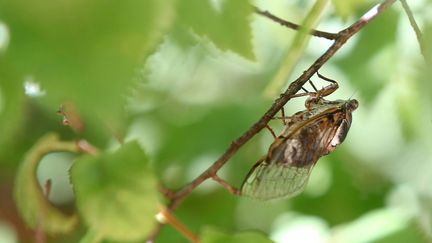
{"type": "Point", "coordinates": [415, 27]}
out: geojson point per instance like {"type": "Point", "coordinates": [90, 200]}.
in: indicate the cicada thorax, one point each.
{"type": "Point", "coordinates": [322, 127]}
{"type": "Point", "coordinates": [307, 136]}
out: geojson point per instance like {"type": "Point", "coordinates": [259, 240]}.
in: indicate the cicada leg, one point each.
{"type": "Point", "coordinates": [327, 90]}
{"type": "Point", "coordinates": [315, 97]}
{"type": "Point", "coordinates": [283, 118]}
{"type": "Point", "coordinates": [319, 93]}
{"type": "Point", "coordinates": [306, 93]}
{"type": "Point", "coordinates": [325, 78]}
{"type": "Point", "coordinates": [166, 192]}
{"type": "Point", "coordinates": [271, 131]}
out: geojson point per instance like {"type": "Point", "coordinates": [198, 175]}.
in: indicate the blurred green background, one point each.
{"type": "Point", "coordinates": [185, 78]}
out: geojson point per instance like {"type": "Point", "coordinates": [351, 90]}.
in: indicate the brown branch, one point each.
{"type": "Point", "coordinates": [165, 216]}
{"type": "Point", "coordinates": [414, 26]}
{"type": "Point", "coordinates": [226, 185]}
{"type": "Point", "coordinates": [293, 88]}
{"type": "Point", "coordinates": [85, 147]}
{"type": "Point", "coordinates": [317, 33]}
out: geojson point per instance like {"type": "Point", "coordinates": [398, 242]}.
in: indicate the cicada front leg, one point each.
{"type": "Point", "coordinates": [319, 93]}
{"type": "Point", "coordinates": [316, 96]}
{"type": "Point", "coordinates": [286, 120]}
{"type": "Point", "coordinates": [329, 89]}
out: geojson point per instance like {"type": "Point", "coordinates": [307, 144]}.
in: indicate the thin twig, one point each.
{"type": "Point", "coordinates": [166, 217]}
{"type": "Point", "coordinates": [317, 33]}
{"type": "Point", "coordinates": [293, 88]}
{"type": "Point", "coordinates": [226, 185]}
{"type": "Point", "coordinates": [415, 27]}
{"type": "Point", "coordinates": [165, 191]}
{"type": "Point", "coordinates": [86, 147]}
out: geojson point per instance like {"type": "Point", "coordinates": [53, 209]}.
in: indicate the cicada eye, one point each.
{"type": "Point", "coordinates": [352, 105]}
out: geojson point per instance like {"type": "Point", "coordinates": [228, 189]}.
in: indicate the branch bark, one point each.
{"type": "Point", "coordinates": [317, 33]}
{"type": "Point", "coordinates": [339, 40]}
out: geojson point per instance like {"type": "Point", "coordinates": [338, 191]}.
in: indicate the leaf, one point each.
{"type": "Point", "coordinates": [116, 193]}
{"type": "Point", "coordinates": [225, 23]}
{"type": "Point", "coordinates": [31, 202]}
{"type": "Point", "coordinates": [213, 235]}
{"type": "Point", "coordinates": [84, 52]}
{"type": "Point", "coordinates": [11, 105]}
{"type": "Point", "coordinates": [346, 8]}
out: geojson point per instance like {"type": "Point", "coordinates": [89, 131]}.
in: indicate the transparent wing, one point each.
{"type": "Point", "coordinates": [270, 180]}
{"type": "Point", "coordinates": [286, 169]}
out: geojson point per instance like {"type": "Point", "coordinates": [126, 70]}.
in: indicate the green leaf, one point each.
{"type": "Point", "coordinates": [11, 105]}
{"type": "Point", "coordinates": [32, 204]}
{"type": "Point", "coordinates": [90, 237]}
{"type": "Point", "coordinates": [346, 8]}
{"type": "Point", "coordinates": [225, 23]}
{"type": "Point", "coordinates": [116, 193]}
{"type": "Point", "coordinates": [84, 52]}
{"type": "Point", "coordinates": [213, 235]}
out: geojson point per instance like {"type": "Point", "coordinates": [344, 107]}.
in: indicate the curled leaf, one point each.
{"type": "Point", "coordinates": [32, 204]}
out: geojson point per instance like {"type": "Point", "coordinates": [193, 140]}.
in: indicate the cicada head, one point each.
{"type": "Point", "coordinates": [351, 105]}
{"type": "Point", "coordinates": [345, 124]}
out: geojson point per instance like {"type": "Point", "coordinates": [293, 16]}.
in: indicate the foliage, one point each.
{"type": "Point", "coordinates": [31, 202]}
{"type": "Point", "coordinates": [161, 88]}
{"type": "Point", "coordinates": [211, 235]}
{"type": "Point", "coordinates": [116, 193]}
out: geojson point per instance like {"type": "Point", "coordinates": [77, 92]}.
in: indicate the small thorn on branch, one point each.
{"type": "Point", "coordinates": [70, 117]}
{"type": "Point", "coordinates": [166, 192]}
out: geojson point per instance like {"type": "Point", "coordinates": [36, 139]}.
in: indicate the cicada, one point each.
{"type": "Point", "coordinates": [307, 136]}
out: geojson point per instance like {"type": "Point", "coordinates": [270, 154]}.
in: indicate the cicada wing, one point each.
{"type": "Point", "coordinates": [287, 166]}
{"type": "Point", "coordinates": [271, 180]}
{"type": "Point", "coordinates": [286, 169]}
